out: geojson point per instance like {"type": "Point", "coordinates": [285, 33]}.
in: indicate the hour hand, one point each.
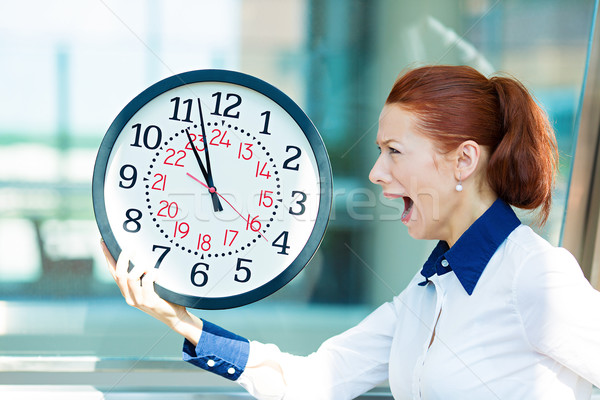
{"type": "Point", "coordinates": [215, 199]}
{"type": "Point", "coordinates": [207, 176]}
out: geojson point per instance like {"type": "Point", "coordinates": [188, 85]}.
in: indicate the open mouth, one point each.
{"type": "Point", "coordinates": [408, 206]}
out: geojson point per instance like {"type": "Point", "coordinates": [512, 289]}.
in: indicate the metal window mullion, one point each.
{"type": "Point", "coordinates": [582, 223]}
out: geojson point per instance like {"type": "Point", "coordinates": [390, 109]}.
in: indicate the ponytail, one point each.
{"type": "Point", "coordinates": [456, 103]}
{"type": "Point", "coordinates": [522, 168]}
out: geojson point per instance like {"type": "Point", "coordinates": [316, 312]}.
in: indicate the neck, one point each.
{"type": "Point", "coordinates": [468, 212]}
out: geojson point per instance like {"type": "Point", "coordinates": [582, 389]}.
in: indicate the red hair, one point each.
{"type": "Point", "coordinates": [456, 103]}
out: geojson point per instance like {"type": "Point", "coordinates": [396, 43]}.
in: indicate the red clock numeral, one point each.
{"type": "Point", "coordinates": [171, 209]}
{"type": "Point", "coordinates": [253, 223]}
{"type": "Point", "coordinates": [245, 153]}
{"type": "Point", "coordinates": [204, 242]}
{"type": "Point", "coordinates": [172, 152]}
{"type": "Point", "coordinates": [227, 232]}
{"type": "Point", "coordinates": [260, 171]}
{"type": "Point", "coordinates": [221, 136]}
{"type": "Point", "coordinates": [182, 228]}
{"type": "Point", "coordinates": [194, 137]}
{"type": "Point", "coordinates": [160, 182]}
{"type": "Point", "coordinates": [265, 199]}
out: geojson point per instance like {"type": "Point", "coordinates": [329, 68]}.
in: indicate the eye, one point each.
{"type": "Point", "coordinates": [388, 150]}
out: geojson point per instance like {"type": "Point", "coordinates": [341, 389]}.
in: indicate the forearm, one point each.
{"type": "Point", "coordinates": [187, 325]}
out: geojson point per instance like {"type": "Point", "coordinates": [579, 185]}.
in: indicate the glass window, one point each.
{"type": "Point", "coordinates": [68, 67]}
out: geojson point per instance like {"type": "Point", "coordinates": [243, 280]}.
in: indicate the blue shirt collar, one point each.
{"type": "Point", "coordinates": [474, 249]}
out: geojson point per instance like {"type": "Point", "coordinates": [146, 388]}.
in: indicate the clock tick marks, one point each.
{"type": "Point", "coordinates": [170, 151]}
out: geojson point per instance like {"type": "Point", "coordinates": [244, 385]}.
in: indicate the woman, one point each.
{"type": "Point", "coordinates": [495, 313]}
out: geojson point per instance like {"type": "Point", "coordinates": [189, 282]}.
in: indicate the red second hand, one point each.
{"type": "Point", "coordinates": [213, 190]}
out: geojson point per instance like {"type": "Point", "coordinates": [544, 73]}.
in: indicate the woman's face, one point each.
{"type": "Point", "coordinates": [410, 168]}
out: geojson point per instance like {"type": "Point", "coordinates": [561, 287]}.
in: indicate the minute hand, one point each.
{"type": "Point", "coordinates": [207, 176]}
{"type": "Point", "coordinates": [209, 179]}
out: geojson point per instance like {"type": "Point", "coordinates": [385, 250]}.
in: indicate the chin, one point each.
{"type": "Point", "coordinates": [416, 233]}
{"type": "Point", "coordinates": [420, 233]}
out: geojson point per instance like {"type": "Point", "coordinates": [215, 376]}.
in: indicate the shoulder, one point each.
{"type": "Point", "coordinates": [556, 305]}
{"type": "Point", "coordinates": [534, 257]}
{"type": "Point", "coordinates": [525, 240]}
{"type": "Point", "coordinates": [547, 281]}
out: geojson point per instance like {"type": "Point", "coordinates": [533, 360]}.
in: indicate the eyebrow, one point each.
{"type": "Point", "coordinates": [385, 142]}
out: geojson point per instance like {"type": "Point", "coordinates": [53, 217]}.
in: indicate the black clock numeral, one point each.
{"type": "Point", "coordinates": [283, 238]}
{"type": "Point", "coordinates": [132, 219]}
{"type": "Point", "coordinates": [246, 270]}
{"type": "Point", "coordinates": [300, 202]}
{"type": "Point", "coordinates": [150, 141]}
{"type": "Point", "coordinates": [132, 178]}
{"type": "Point", "coordinates": [188, 113]}
{"type": "Point", "coordinates": [267, 115]}
{"type": "Point", "coordinates": [286, 163]}
{"type": "Point", "coordinates": [165, 250]}
{"type": "Point", "coordinates": [227, 111]}
{"type": "Point", "coordinates": [203, 275]}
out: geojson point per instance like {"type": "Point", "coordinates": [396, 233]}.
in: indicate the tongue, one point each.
{"type": "Point", "coordinates": [408, 203]}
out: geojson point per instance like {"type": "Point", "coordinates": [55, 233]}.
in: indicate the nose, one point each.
{"type": "Point", "coordinates": [379, 174]}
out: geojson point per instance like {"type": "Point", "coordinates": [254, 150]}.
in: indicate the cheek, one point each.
{"type": "Point", "coordinates": [418, 179]}
{"type": "Point", "coordinates": [428, 205]}
{"type": "Point", "coordinates": [435, 201]}
{"type": "Point", "coordinates": [425, 187]}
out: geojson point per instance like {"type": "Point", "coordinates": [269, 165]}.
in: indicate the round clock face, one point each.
{"type": "Point", "coordinates": [218, 180]}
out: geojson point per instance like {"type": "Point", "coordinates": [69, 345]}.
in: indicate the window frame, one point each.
{"type": "Point", "coordinates": [581, 228]}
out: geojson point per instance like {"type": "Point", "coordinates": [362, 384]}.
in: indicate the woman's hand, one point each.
{"type": "Point", "coordinates": [137, 287]}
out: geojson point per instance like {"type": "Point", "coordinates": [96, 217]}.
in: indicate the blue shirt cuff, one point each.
{"type": "Point", "coordinates": [218, 351]}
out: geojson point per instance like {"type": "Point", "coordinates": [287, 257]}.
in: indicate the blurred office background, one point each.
{"type": "Point", "coordinates": [67, 67]}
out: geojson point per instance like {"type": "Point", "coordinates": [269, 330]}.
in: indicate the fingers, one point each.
{"type": "Point", "coordinates": [128, 281]}
{"type": "Point", "coordinates": [136, 279]}
{"type": "Point", "coordinates": [148, 283]}
{"type": "Point", "coordinates": [122, 277]}
{"type": "Point", "coordinates": [122, 267]}
{"type": "Point", "coordinates": [136, 285]}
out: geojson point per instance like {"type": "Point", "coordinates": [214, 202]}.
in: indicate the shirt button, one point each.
{"type": "Point", "coordinates": [231, 371]}
{"type": "Point", "coordinates": [210, 363]}
{"type": "Point", "coordinates": [445, 263]}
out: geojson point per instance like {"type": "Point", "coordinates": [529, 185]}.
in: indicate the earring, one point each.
{"type": "Point", "coordinates": [459, 186]}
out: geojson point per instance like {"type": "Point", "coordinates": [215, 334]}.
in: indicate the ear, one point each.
{"type": "Point", "coordinates": [467, 159]}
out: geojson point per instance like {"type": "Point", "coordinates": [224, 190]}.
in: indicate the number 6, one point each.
{"type": "Point", "coordinates": [195, 273]}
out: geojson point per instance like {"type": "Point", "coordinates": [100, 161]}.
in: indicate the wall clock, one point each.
{"type": "Point", "coordinates": [217, 179]}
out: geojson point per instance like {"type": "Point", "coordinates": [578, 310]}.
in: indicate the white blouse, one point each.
{"type": "Point", "coordinates": [531, 330]}
{"type": "Point", "coordinates": [525, 325]}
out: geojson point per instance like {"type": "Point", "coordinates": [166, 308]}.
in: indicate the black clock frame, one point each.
{"type": "Point", "coordinates": [305, 124]}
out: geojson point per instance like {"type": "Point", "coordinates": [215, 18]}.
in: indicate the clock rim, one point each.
{"type": "Point", "coordinates": [286, 103]}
